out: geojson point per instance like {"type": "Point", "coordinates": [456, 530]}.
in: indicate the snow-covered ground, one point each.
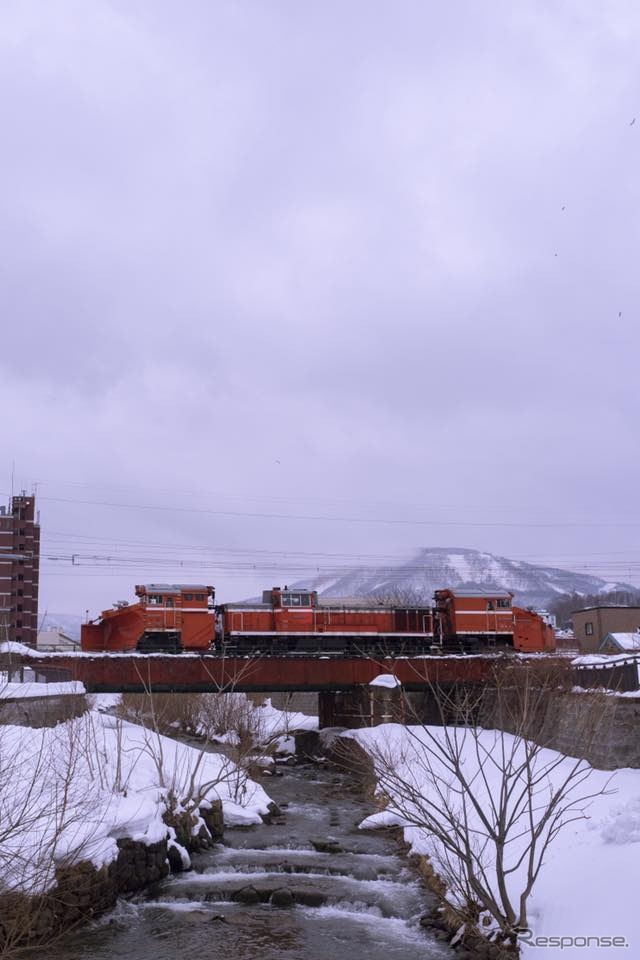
{"type": "Point", "coordinates": [18, 649]}
{"type": "Point", "coordinates": [270, 727]}
{"type": "Point", "coordinates": [68, 793]}
{"type": "Point", "coordinates": [588, 883]}
{"type": "Point", "coordinates": [274, 722]}
{"type": "Point", "coordinates": [29, 691]}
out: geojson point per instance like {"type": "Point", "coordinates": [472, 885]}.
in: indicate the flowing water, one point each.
{"type": "Point", "coordinates": [355, 898]}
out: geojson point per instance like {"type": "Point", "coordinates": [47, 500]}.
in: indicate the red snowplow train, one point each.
{"type": "Point", "coordinates": [176, 618]}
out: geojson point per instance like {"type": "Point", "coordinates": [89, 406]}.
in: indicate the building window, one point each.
{"type": "Point", "coordinates": [588, 629]}
{"type": "Point", "coordinates": [18, 623]}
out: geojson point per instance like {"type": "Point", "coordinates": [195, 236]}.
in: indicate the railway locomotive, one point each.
{"type": "Point", "coordinates": [170, 618]}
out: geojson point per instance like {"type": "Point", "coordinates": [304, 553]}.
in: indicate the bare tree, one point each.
{"type": "Point", "coordinates": [48, 811]}
{"type": "Point", "coordinates": [488, 803]}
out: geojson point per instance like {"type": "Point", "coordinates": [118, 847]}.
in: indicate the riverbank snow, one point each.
{"type": "Point", "coordinates": [274, 722]}
{"type": "Point", "coordinates": [588, 884]}
{"type": "Point", "coordinates": [68, 793]}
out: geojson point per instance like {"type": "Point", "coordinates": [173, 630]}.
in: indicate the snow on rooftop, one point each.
{"type": "Point", "coordinates": [626, 641]}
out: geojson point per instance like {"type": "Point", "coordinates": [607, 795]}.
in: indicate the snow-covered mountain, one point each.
{"type": "Point", "coordinates": [436, 567]}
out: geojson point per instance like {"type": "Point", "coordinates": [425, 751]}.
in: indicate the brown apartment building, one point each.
{"type": "Point", "coordinates": [19, 570]}
{"type": "Point", "coordinates": [591, 625]}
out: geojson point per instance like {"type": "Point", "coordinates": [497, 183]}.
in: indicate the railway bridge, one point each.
{"type": "Point", "coordinates": [210, 673]}
{"type": "Point", "coordinates": [343, 683]}
{"type": "Point", "coordinates": [192, 673]}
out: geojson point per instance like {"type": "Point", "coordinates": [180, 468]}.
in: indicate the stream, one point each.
{"type": "Point", "coordinates": [307, 886]}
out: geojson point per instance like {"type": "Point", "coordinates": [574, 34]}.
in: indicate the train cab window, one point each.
{"type": "Point", "coordinates": [489, 604]}
{"type": "Point", "coordinates": [199, 596]}
{"type": "Point", "coordinates": [155, 599]}
{"type": "Point", "coordinates": [169, 601]}
{"type": "Point", "coordinates": [296, 600]}
{"type": "Point", "coordinates": [188, 596]}
{"type": "Point", "coordinates": [504, 603]}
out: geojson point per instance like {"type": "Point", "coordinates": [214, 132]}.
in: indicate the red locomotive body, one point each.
{"type": "Point", "coordinates": [473, 618]}
{"type": "Point", "coordinates": [531, 633]}
{"type": "Point", "coordinates": [167, 618]}
{"type": "Point", "coordinates": [299, 621]}
{"type": "Point", "coordinates": [473, 615]}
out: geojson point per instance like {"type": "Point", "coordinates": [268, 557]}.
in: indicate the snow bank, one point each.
{"type": "Point", "coordinates": [273, 722]}
{"type": "Point", "coordinates": [604, 691]}
{"type": "Point", "coordinates": [68, 793]}
{"type": "Point", "coordinates": [30, 691]}
{"type": "Point", "coordinates": [588, 884]}
{"type": "Point", "coordinates": [19, 649]}
{"type": "Point", "coordinates": [601, 659]}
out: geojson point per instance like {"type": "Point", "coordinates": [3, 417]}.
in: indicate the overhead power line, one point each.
{"type": "Point", "coordinates": [393, 521]}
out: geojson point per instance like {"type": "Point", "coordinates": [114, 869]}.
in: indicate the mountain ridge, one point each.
{"type": "Point", "coordinates": [435, 568]}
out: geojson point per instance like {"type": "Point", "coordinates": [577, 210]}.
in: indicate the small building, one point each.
{"type": "Point", "coordinates": [54, 640]}
{"type": "Point", "coordinates": [19, 570]}
{"type": "Point", "coordinates": [592, 624]}
{"type": "Point", "coordinates": [621, 643]}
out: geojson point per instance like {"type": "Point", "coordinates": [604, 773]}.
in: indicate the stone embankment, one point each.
{"type": "Point", "coordinates": [84, 891]}
{"type": "Point", "coordinates": [602, 728]}
{"type": "Point", "coordinates": [39, 712]}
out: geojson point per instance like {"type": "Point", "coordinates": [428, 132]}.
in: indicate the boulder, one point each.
{"type": "Point", "coordinates": [282, 897]}
{"type": "Point", "coordinates": [327, 846]}
{"type": "Point", "coordinates": [247, 895]}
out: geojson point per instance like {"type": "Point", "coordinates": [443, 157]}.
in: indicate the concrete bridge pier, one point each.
{"type": "Point", "coordinates": [368, 706]}
{"type": "Point", "coordinates": [362, 706]}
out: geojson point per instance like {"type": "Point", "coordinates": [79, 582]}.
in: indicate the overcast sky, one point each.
{"type": "Point", "coordinates": [368, 260]}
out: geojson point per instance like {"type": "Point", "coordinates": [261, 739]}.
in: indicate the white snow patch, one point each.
{"type": "Point", "coordinates": [32, 691]}
{"type": "Point", "coordinates": [588, 882]}
{"type": "Point", "coordinates": [19, 649]}
{"type": "Point", "coordinates": [385, 680]}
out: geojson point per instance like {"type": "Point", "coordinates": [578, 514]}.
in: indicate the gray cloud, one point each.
{"type": "Point", "coordinates": [328, 236]}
